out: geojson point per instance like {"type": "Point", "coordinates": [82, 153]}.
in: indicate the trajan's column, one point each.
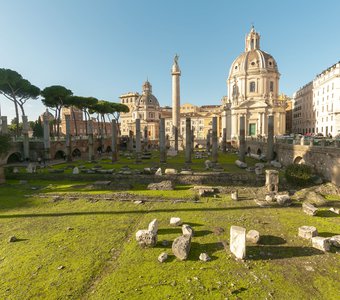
{"type": "Point", "coordinates": [176, 73]}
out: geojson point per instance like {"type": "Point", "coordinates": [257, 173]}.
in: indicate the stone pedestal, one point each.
{"type": "Point", "coordinates": [242, 139]}
{"type": "Point", "coordinates": [162, 145]}
{"type": "Point", "coordinates": [114, 143]}
{"type": "Point", "coordinates": [270, 139]}
{"type": "Point", "coordinates": [272, 181]}
{"type": "Point", "coordinates": [138, 142]}
{"type": "Point", "coordinates": [188, 141]}
{"type": "Point", "coordinates": [214, 141]}
{"type": "Point", "coordinates": [238, 241]}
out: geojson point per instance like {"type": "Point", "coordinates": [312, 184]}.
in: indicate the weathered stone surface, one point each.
{"type": "Point", "coordinates": [205, 192]}
{"type": "Point", "coordinates": [270, 197]}
{"type": "Point", "coordinates": [335, 210]}
{"type": "Point", "coordinates": [172, 152]}
{"type": "Point", "coordinates": [162, 257]}
{"type": "Point", "coordinates": [187, 230]}
{"type": "Point", "coordinates": [158, 172]}
{"type": "Point", "coordinates": [146, 238]}
{"type": "Point", "coordinates": [186, 172]}
{"type": "Point", "coordinates": [170, 171]}
{"type": "Point", "coordinates": [283, 200]}
{"type": "Point", "coordinates": [75, 171]}
{"type": "Point", "coordinates": [309, 209]}
{"type": "Point", "coordinates": [166, 185]}
{"type": "Point", "coordinates": [315, 198]}
{"type": "Point", "coordinates": [238, 241]}
{"type": "Point", "coordinates": [208, 164]}
{"type": "Point", "coordinates": [321, 243]}
{"type": "Point", "coordinates": [12, 239]}
{"type": "Point", "coordinates": [147, 171]}
{"type": "Point", "coordinates": [272, 181]}
{"type": "Point", "coordinates": [259, 165]}
{"type": "Point", "coordinates": [15, 170]}
{"type": "Point", "coordinates": [174, 221]}
{"type": "Point", "coordinates": [335, 240]}
{"type": "Point", "coordinates": [107, 182]}
{"type": "Point", "coordinates": [276, 164]}
{"type": "Point", "coordinates": [234, 195]}
{"type": "Point", "coordinates": [262, 203]}
{"type": "Point", "coordinates": [181, 247]}
{"type": "Point", "coordinates": [153, 226]}
{"type": "Point", "coordinates": [253, 236]}
{"type": "Point", "coordinates": [204, 257]}
{"type": "Point", "coordinates": [241, 164]}
{"type": "Point", "coordinates": [258, 171]}
{"type": "Point", "coordinates": [307, 232]}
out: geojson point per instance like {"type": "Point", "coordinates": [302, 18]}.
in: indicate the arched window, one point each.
{"type": "Point", "coordinates": [252, 86]}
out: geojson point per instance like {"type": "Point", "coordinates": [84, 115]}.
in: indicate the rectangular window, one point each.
{"type": "Point", "coordinates": [252, 86]}
{"type": "Point", "coordinates": [271, 86]}
{"type": "Point", "coordinates": [252, 129]}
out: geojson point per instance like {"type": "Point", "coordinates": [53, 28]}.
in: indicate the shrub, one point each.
{"type": "Point", "coordinates": [299, 174]}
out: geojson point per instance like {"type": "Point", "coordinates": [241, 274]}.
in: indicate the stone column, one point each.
{"type": "Point", "coordinates": [68, 138]}
{"type": "Point", "coordinates": [25, 137]}
{"type": "Point", "coordinates": [47, 143]}
{"type": "Point", "coordinates": [138, 142]}
{"type": "Point", "coordinates": [114, 142]}
{"type": "Point", "coordinates": [228, 125]}
{"type": "Point", "coordinates": [90, 139]}
{"type": "Point", "coordinates": [214, 140]}
{"type": "Point", "coordinates": [145, 138]}
{"type": "Point", "coordinates": [242, 140]}
{"type": "Point", "coordinates": [224, 140]}
{"type": "Point", "coordinates": [263, 124]}
{"type": "Point", "coordinates": [234, 125]}
{"type": "Point", "coordinates": [208, 144]}
{"type": "Point", "coordinates": [188, 141]}
{"type": "Point", "coordinates": [176, 73]}
{"type": "Point", "coordinates": [130, 141]}
{"type": "Point", "coordinates": [4, 126]}
{"type": "Point", "coordinates": [162, 145]}
{"type": "Point", "coordinates": [270, 138]}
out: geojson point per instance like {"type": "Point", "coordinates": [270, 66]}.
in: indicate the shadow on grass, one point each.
{"type": "Point", "coordinates": [201, 233]}
{"type": "Point", "coordinates": [327, 234]}
{"type": "Point", "coordinates": [20, 240]}
{"type": "Point", "coordinates": [209, 248]}
{"type": "Point", "coordinates": [271, 240]}
{"type": "Point", "coordinates": [273, 252]}
{"type": "Point", "coordinates": [121, 212]}
{"type": "Point", "coordinates": [327, 214]}
{"type": "Point", "coordinates": [170, 230]}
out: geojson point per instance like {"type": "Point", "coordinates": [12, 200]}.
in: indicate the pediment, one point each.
{"type": "Point", "coordinates": [252, 104]}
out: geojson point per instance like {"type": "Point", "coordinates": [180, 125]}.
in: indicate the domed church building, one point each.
{"type": "Point", "coordinates": [253, 91]}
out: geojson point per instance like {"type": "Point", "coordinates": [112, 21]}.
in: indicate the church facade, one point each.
{"type": "Point", "coordinates": [253, 92]}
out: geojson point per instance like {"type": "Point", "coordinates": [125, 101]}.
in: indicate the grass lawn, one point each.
{"type": "Point", "coordinates": [86, 248]}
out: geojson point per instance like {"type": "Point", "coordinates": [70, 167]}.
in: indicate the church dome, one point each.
{"type": "Point", "coordinates": [252, 61]}
{"type": "Point", "coordinates": [147, 99]}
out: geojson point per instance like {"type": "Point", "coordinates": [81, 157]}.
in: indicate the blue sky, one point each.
{"type": "Point", "coordinates": [107, 48]}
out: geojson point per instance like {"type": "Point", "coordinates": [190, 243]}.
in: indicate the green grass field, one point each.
{"type": "Point", "coordinates": [102, 260]}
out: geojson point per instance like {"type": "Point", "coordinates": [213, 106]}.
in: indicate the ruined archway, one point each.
{"type": "Point", "coordinates": [14, 157]}
{"type": "Point", "coordinates": [76, 153]}
{"type": "Point", "coordinates": [60, 154]}
{"type": "Point", "coordinates": [299, 160]}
